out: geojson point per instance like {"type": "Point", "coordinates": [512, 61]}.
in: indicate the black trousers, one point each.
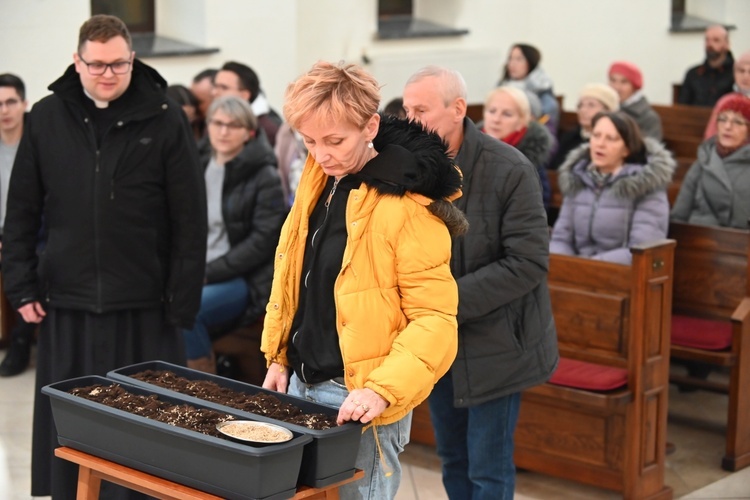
{"type": "Point", "coordinates": [75, 343]}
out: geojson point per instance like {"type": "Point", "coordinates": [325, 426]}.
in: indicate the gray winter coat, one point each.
{"type": "Point", "coordinates": [631, 208]}
{"type": "Point", "coordinates": [644, 115]}
{"type": "Point", "coordinates": [716, 191]}
{"type": "Point", "coordinates": [506, 333]}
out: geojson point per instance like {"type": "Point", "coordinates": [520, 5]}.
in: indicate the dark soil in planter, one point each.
{"type": "Point", "coordinates": [185, 416]}
{"type": "Point", "coordinates": [261, 403]}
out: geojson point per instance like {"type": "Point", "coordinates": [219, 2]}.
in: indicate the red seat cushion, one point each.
{"type": "Point", "coordinates": [589, 376]}
{"type": "Point", "coordinates": [701, 333]}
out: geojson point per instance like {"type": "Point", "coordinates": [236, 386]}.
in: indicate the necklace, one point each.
{"type": "Point", "coordinates": [333, 190]}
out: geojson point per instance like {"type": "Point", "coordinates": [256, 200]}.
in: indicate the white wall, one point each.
{"type": "Point", "coordinates": [281, 38]}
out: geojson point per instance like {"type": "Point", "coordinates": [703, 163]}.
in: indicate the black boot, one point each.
{"type": "Point", "coordinates": [19, 352]}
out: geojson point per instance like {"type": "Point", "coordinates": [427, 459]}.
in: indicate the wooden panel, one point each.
{"type": "Point", "coordinates": [712, 279]}
{"type": "Point", "coordinates": [575, 434]}
{"type": "Point", "coordinates": [590, 321]}
{"type": "Point", "coordinates": [710, 269]}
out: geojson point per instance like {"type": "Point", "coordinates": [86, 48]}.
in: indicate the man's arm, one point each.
{"type": "Point", "coordinates": [524, 247]}
{"type": "Point", "coordinates": [22, 223]}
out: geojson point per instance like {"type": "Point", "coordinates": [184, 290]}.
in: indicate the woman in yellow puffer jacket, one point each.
{"type": "Point", "coordinates": [362, 313]}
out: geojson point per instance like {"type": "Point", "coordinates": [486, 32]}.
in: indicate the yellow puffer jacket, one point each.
{"type": "Point", "coordinates": [396, 300]}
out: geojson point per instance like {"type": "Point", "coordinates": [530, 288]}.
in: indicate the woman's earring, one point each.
{"type": "Point", "coordinates": [370, 145]}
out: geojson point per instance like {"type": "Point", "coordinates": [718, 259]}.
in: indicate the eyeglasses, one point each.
{"type": "Point", "coordinates": [218, 125]}
{"type": "Point", "coordinates": [10, 103]}
{"type": "Point", "coordinates": [737, 122]}
{"type": "Point", "coordinates": [99, 68]}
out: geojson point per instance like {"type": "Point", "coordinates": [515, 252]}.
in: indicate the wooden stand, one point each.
{"type": "Point", "coordinates": [93, 469]}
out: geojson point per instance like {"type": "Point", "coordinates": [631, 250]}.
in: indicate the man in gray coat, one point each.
{"type": "Point", "coordinates": [507, 339]}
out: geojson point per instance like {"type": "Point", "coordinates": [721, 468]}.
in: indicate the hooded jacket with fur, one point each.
{"type": "Point", "coordinates": [630, 208]}
{"type": "Point", "coordinates": [125, 217]}
{"type": "Point", "coordinates": [396, 301]}
{"type": "Point", "coordinates": [715, 190]}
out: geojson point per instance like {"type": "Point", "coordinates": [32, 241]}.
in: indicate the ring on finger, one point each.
{"type": "Point", "coordinates": [365, 408]}
{"type": "Point", "coordinates": [355, 402]}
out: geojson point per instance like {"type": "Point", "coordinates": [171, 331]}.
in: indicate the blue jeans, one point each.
{"type": "Point", "coordinates": [475, 444]}
{"type": "Point", "coordinates": [221, 303]}
{"type": "Point", "coordinates": [382, 472]}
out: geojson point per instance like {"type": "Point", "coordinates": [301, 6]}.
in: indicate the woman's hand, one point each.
{"type": "Point", "coordinates": [362, 405]}
{"type": "Point", "coordinates": [277, 378]}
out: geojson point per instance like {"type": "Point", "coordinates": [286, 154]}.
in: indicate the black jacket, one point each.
{"type": "Point", "coordinates": [125, 220]}
{"type": "Point", "coordinates": [253, 209]}
{"type": "Point", "coordinates": [704, 85]}
{"type": "Point", "coordinates": [506, 332]}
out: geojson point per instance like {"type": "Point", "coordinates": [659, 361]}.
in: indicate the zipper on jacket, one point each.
{"type": "Point", "coordinates": [322, 225]}
{"type": "Point", "coordinates": [594, 207]}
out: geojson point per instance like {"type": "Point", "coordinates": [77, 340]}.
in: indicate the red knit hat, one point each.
{"type": "Point", "coordinates": [738, 103]}
{"type": "Point", "coordinates": [629, 71]}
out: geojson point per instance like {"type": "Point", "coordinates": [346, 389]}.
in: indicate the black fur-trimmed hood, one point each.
{"type": "Point", "coordinates": [411, 159]}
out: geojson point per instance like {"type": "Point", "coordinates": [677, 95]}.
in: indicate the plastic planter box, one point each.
{"type": "Point", "coordinates": [218, 466]}
{"type": "Point", "coordinates": [329, 458]}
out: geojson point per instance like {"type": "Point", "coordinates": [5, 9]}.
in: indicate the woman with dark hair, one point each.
{"type": "Point", "coordinates": [594, 98]}
{"type": "Point", "coordinates": [614, 192]}
{"type": "Point", "coordinates": [522, 70]}
{"type": "Point", "coordinates": [185, 98]}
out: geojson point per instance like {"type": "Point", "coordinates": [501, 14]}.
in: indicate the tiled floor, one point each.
{"type": "Point", "coordinates": [696, 427]}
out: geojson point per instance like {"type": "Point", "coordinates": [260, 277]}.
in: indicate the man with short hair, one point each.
{"type": "Point", "coordinates": [506, 333]}
{"type": "Point", "coordinates": [109, 163]}
{"type": "Point", "coordinates": [706, 83]}
{"type": "Point", "coordinates": [238, 79]}
{"type": "Point", "coordinates": [12, 109]}
{"type": "Point", "coordinates": [203, 89]}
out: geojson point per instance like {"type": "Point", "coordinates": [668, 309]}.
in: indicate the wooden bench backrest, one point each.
{"type": "Point", "coordinates": [711, 269]}
{"type": "Point", "coordinates": [683, 128]}
{"type": "Point", "coordinates": [599, 305]}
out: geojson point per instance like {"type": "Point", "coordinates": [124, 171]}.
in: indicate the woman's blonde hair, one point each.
{"type": "Point", "coordinates": [518, 96]}
{"type": "Point", "coordinates": [332, 93]}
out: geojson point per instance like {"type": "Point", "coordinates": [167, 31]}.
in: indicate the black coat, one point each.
{"type": "Point", "coordinates": [506, 332]}
{"type": "Point", "coordinates": [125, 219]}
{"type": "Point", "coordinates": [253, 209]}
{"type": "Point", "coordinates": [704, 85]}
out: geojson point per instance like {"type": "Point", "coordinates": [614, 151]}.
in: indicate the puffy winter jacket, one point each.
{"type": "Point", "coordinates": [604, 222]}
{"type": "Point", "coordinates": [395, 297]}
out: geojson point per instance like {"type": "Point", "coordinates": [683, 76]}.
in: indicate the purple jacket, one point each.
{"type": "Point", "coordinates": [631, 208]}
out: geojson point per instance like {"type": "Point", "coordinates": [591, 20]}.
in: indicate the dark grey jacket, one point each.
{"type": "Point", "coordinates": [716, 191]}
{"type": "Point", "coordinates": [253, 209]}
{"type": "Point", "coordinates": [644, 115]}
{"type": "Point", "coordinates": [506, 332]}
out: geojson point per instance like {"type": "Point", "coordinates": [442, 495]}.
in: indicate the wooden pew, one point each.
{"type": "Point", "coordinates": [612, 315]}
{"type": "Point", "coordinates": [615, 316]}
{"type": "Point", "coordinates": [683, 127]}
{"type": "Point", "coordinates": [712, 281]}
